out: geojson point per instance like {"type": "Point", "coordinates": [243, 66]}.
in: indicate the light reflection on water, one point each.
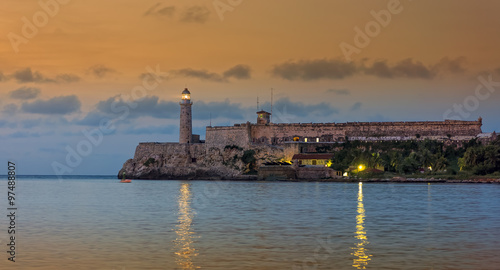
{"type": "Point", "coordinates": [185, 235]}
{"type": "Point", "coordinates": [360, 251]}
{"type": "Point", "coordinates": [99, 223]}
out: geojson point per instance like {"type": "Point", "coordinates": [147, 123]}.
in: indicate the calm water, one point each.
{"type": "Point", "coordinates": [99, 223]}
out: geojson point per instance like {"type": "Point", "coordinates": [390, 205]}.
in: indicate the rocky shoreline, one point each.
{"type": "Point", "coordinates": [254, 178]}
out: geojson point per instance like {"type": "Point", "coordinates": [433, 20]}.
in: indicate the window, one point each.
{"type": "Point", "coordinates": [305, 139]}
{"type": "Point", "coordinates": [317, 139]}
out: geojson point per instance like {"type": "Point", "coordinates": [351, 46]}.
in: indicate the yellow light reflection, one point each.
{"type": "Point", "coordinates": [360, 252]}
{"type": "Point", "coordinates": [185, 251]}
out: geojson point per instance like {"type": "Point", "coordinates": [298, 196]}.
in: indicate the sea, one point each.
{"type": "Point", "coordinates": [96, 222]}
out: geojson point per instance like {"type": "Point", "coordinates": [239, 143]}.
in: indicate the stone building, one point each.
{"type": "Point", "coordinates": [263, 132]}
{"type": "Point", "coordinates": [222, 153]}
{"type": "Point", "coordinates": [267, 133]}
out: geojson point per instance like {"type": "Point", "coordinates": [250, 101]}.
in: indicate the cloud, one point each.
{"type": "Point", "coordinates": [308, 70]}
{"type": "Point", "coordinates": [287, 111]}
{"type": "Point", "coordinates": [317, 69]}
{"type": "Point", "coordinates": [406, 68]}
{"type": "Point", "coordinates": [238, 72]}
{"type": "Point", "coordinates": [25, 93]}
{"type": "Point", "coordinates": [57, 105]}
{"type": "Point", "coordinates": [2, 77]}
{"type": "Point", "coordinates": [170, 129]}
{"type": "Point", "coordinates": [99, 71]}
{"type": "Point", "coordinates": [151, 106]}
{"type": "Point", "coordinates": [27, 134]}
{"type": "Point", "coordinates": [339, 91]}
{"type": "Point", "coordinates": [454, 66]}
{"type": "Point", "coordinates": [93, 119]}
{"type": "Point", "coordinates": [28, 76]}
{"type": "Point", "coordinates": [284, 111]}
{"type": "Point", "coordinates": [10, 109]}
{"type": "Point", "coordinates": [168, 11]}
{"type": "Point", "coordinates": [195, 14]}
{"type": "Point", "coordinates": [67, 78]}
{"type": "Point", "coordinates": [147, 106]}
{"type": "Point", "coordinates": [356, 106]}
{"type": "Point", "coordinates": [199, 74]}
{"type": "Point", "coordinates": [225, 109]}
{"type": "Point", "coordinates": [380, 69]}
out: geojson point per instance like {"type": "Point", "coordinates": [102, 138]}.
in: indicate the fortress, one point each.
{"type": "Point", "coordinates": [219, 155]}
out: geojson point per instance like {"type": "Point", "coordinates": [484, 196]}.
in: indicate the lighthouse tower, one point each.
{"type": "Point", "coordinates": [186, 126]}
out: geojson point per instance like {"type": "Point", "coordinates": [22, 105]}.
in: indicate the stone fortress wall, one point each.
{"type": "Point", "coordinates": [276, 134]}
{"type": "Point", "coordinates": [239, 135]}
{"type": "Point", "coordinates": [222, 154]}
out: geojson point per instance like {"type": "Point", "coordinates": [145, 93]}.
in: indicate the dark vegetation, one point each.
{"type": "Point", "coordinates": [408, 157]}
{"type": "Point", "coordinates": [149, 162]}
{"type": "Point", "coordinates": [249, 160]}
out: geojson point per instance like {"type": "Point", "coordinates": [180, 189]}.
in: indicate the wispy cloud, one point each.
{"type": "Point", "coordinates": [100, 71]}
{"type": "Point", "coordinates": [67, 78]}
{"type": "Point", "coordinates": [356, 106]}
{"type": "Point", "coordinates": [201, 74]}
{"type": "Point", "coordinates": [334, 69]}
{"type": "Point", "coordinates": [406, 68]}
{"type": "Point", "coordinates": [169, 129]}
{"type": "Point", "coordinates": [307, 70]}
{"type": "Point", "coordinates": [339, 91]}
{"type": "Point", "coordinates": [239, 72]}
{"type": "Point", "coordinates": [28, 76]}
{"type": "Point", "coordinates": [57, 105]}
{"type": "Point", "coordinates": [25, 93]}
{"type": "Point", "coordinates": [10, 109]}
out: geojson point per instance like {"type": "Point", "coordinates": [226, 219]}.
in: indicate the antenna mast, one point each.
{"type": "Point", "coordinates": [210, 119]}
{"type": "Point", "coordinates": [271, 117]}
{"type": "Point", "coordinates": [257, 103]}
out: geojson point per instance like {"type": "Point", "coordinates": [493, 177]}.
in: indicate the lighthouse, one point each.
{"type": "Point", "coordinates": [186, 126]}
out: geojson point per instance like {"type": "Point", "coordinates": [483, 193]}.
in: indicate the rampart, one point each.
{"type": "Point", "coordinates": [275, 134]}
{"type": "Point", "coordinates": [239, 135]}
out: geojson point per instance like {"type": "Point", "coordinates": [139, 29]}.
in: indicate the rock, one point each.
{"type": "Point", "coordinates": [195, 161]}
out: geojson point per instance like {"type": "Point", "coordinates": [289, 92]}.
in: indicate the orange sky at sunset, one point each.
{"type": "Point", "coordinates": [427, 58]}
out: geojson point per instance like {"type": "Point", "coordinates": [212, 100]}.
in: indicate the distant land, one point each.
{"type": "Point", "coordinates": [264, 150]}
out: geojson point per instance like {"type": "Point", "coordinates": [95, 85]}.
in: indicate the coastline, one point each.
{"type": "Point", "coordinates": [253, 178]}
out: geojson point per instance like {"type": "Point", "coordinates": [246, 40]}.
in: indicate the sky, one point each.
{"type": "Point", "coordinates": [83, 82]}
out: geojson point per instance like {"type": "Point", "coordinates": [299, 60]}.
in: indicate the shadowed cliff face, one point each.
{"type": "Point", "coordinates": [196, 161]}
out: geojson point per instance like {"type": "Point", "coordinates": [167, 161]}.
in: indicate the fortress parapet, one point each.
{"type": "Point", "coordinates": [276, 134]}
